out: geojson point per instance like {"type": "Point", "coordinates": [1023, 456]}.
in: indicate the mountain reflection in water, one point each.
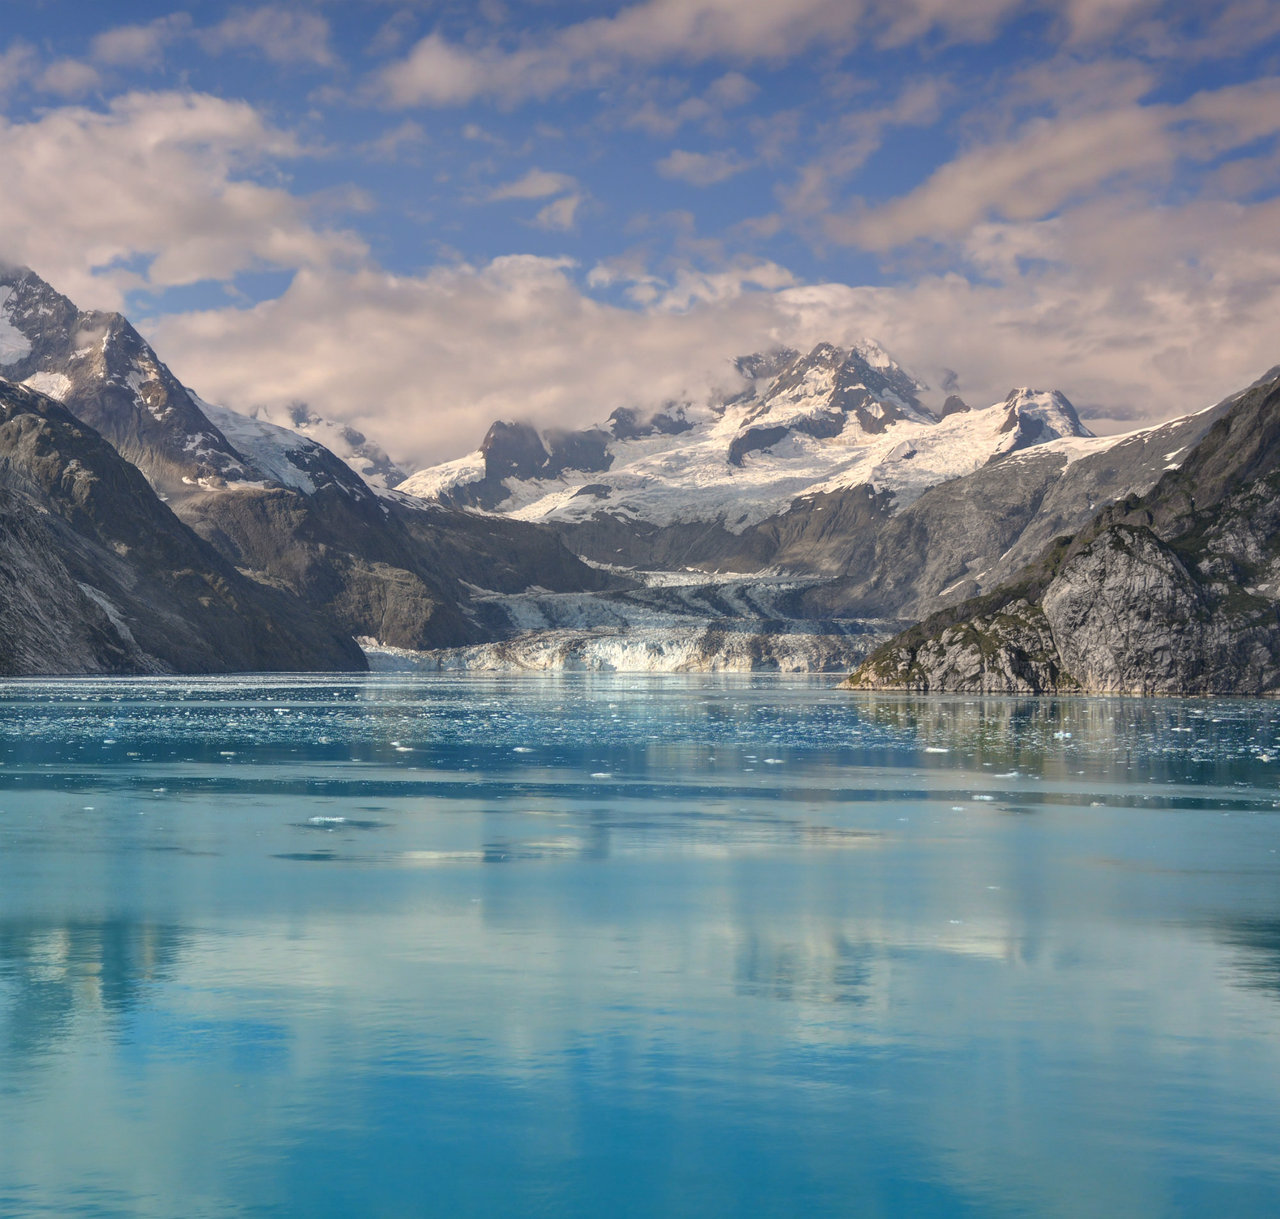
{"type": "Point", "coordinates": [586, 945]}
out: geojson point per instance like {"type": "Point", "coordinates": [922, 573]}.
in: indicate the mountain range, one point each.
{"type": "Point", "coordinates": [792, 522]}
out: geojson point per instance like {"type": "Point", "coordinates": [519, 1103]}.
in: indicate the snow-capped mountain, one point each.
{"type": "Point", "coordinates": [100, 368]}
{"type": "Point", "coordinates": [105, 372]}
{"type": "Point", "coordinates": [822, 422]}
{"type": "Point", "coordinates": [367, 459]}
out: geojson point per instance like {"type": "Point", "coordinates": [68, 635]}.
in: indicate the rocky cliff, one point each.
{"type": "Point", "coordinates": [1174, 591]}
{"type": "Point", "coordinates": [98, 575]}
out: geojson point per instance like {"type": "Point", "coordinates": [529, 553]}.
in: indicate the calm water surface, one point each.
{"type": "Point", "coordinates": [611, 946]}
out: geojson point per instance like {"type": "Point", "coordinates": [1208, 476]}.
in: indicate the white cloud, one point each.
{"type": "Point", "coordinates": [397, 143]}
{"type": "Point", "coordinates": [701, 168]}
{"type": "Point", "coordinates": [732, 89]}
{"type": "Point", "coordinates": [284, 35]}
{"type": "Point", "coordinates": [437, 72]}
{"type": "Point", "coordinates": [18, 63]}
{"type": "Point", "coordinates": [845, 144]}
{"type": "Point", "coordinates": [160, 177]}
{"type": "Point", "coordinates": [424, 364]}
{"type": "Point", "coordinates": [1055, 162]}
{"type": "Point", "coordinates": [138, 46]}
{"type": "Point", "coordinates": [559, 215]}
{"type": "Point", "coordinates": [69, 78]}
{"type": "Point", "coordinates": [661, 114]}
{"type": "Point", "coordinates": [536, 184]}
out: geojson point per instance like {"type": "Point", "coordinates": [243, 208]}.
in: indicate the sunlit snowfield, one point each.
{"type": "Point", "coordinates": [614, 947]}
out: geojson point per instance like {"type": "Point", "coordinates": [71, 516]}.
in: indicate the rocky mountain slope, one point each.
{"type": "Point", "coordinates": [1174, 591]}
{"type": "Point", "coordinates": [279, 506]}
{"type": "Point", "coordinates": [97, 575]}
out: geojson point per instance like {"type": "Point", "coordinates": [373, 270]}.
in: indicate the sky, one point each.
{"type": "Point", "coordinates": [420, 217]}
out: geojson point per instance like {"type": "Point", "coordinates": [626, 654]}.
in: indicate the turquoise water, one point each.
{"type": "Point", "coordinates": [607, 946]}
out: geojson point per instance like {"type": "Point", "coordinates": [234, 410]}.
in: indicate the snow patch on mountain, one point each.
{"type": "Point", "coordinates": [271, 451]}
{"type": "Point", "coordinates": [14, 345]}
{"type": "Point", "coordinates": [437, 481]}
{"type": "Point", "coordinates": [366, 458]}
{"type": "Point", "coordinates": [55, 385]}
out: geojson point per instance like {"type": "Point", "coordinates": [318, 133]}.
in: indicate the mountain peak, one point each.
{"type": "Point", "coordinates": [1035, 416]}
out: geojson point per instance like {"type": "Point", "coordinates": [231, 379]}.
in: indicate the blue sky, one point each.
{"type": "Point", "coordinates": [422, 216]}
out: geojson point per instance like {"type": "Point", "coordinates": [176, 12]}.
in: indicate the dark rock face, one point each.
{"type": "Point", "coordinates": [822, 425]}
{"type": "Point", "coordinates": [516, 450]}
{"type": "Point", "coordinates": [48, 622]}
{"type": "Point", "coordinates": [586, 451]}
{"type": "Point", "coordinates": [520, 451]}
{"type": "Point", "coordinates": [628, 424]}
{"type": "Point", "coordinates": [104, 578]}
{"type": "Point", "coordinates": [513, 450]}
{"type": "Point", "coordinates": [1177, 591]}
{"type": "Point", "coordinates": [954, 405]}
{"type": "Point", "coordinates": [755, 439]}
{"type": "Point", "coordinates": [1010, 651]}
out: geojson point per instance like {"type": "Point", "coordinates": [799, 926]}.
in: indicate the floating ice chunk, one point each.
{"type": "Point", "coordinates": [936, 749]}
{"type": "Point", "coordinates": [522, 749]}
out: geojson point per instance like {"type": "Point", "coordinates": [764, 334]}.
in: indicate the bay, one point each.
{"type": "Point", "coordinates": [606, 945]}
